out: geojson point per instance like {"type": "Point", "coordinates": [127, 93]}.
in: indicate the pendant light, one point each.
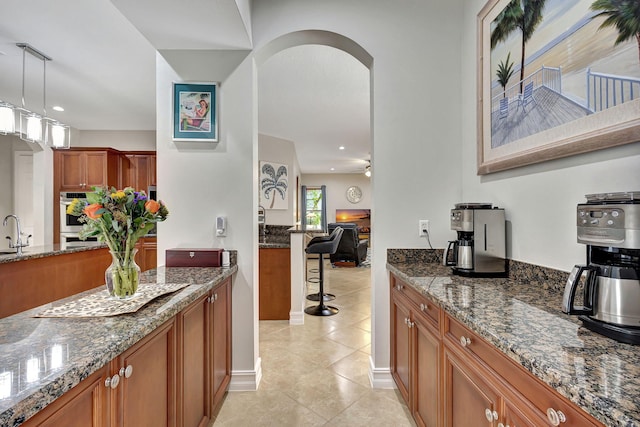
{"type": "Point", "coordinates": [33, 127]}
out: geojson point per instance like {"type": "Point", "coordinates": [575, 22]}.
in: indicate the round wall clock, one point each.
{"type": "Point", "coordinates": [354, 194]}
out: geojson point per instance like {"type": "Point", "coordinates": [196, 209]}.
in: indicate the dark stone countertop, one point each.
{"type": "Point", "coordinates": [33, 252]}
{"type": "Point", "coordinates": [523, 319]}
{"type": "Point", "coordinates": [63, 352]}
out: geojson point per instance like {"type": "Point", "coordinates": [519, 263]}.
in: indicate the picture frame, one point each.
{"type": "Point", "coordinates": [606, 116]}
{"type": "Point", "coordinates": [195, 111]}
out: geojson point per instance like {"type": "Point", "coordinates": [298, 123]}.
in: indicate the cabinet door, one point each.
{"type": "Point", "coordinates": [147, 396]}
{"type": "Point", "coordinates": [515, 417]}
{"type": "Point", "coordinates": [274, 278]}
{"type": "Point", "coordinates": [95, 169]}
{"type": "Point", "coordinates": [195, 366]}
{"type": "Point", "coordinates": [87, 404]}
{"type": "Point", "coordinates": [400, 339]}
{"type": "Point", "coordinates": [221, 342]}
{"type": "Point", "coordinates": [152, 169]}
{"type": "Point", "coordinates": [425, 374]}
{"type": "Point", "coordinates": [72, 173]}
{"type": "Point", "coordinates": [467, 397]}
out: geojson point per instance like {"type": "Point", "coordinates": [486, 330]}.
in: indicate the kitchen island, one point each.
{"type": "Point", "coordinates": [521, 318]}
{"type": "Point", "coordinates": [42, 359]}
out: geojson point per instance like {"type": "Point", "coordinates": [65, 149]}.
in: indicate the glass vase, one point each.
{"type": "Point", "coordinates": [123, 275]}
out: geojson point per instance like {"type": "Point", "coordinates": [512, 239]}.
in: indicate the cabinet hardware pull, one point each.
{"type": "Point", "coordinates": [412, 324]}
{"type": "Point", "coordinates": [126, 371]}
{"type": "Point", "coordinates": [423, 307]}
{"type": "Point", "coordinates": [555, 417]}
{"type": "Point", "coordinates": [112, 382]}
{"type": "Point", "coordinates": [491, 415]}
{"type": "Point", "coordinates": [465, 341]}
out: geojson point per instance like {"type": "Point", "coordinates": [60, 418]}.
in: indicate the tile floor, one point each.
{"type": "Point", "coordinates": [316, 374]}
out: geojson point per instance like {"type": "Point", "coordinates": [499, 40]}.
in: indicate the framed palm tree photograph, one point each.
{"type": "Point", "coordinates": [556, 78]}
{"type": "Point", "coordinates": [195, 112]}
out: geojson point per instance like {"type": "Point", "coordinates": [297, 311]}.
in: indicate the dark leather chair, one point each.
{"type": "Point", "coordinates": [323, 245]}
{"type": "Point", "coordinates": [351, 248]}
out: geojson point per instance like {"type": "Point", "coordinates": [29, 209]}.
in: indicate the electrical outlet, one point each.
{"type": "Point", "coordinates": [423, 227]}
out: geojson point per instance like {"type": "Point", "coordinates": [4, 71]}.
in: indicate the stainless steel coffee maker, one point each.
{"type": "Point", "coordinates": [609, 284]}
{"type": "Point", "coordinates": [480, 249]}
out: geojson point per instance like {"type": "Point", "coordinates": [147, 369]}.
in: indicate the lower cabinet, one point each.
{"type": "Point", "coordinates": [205, 354]}
{"type": "Point", "coordinates": [147, 254]}
{"type": "Point", "coordinates": [415, 359]}
{"type": "Point", "coordinates": [147, 381]}
{"type": "Point", "coordinates": [175, 376]}
{"type": "Point", "coordinates": [451, 377]}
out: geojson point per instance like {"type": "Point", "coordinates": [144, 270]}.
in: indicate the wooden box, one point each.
{"type": "Point", "coordinates": [193, 257]}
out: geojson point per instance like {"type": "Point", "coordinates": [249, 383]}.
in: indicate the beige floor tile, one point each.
{"type": "Point", "coordinates": [317, 374]}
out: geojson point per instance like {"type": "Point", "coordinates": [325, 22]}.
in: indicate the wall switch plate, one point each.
{"type": "Point", "coordinates": [423, 227]}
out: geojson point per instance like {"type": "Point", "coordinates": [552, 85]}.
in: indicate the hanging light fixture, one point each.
{"type": "Point", "coordinates": [7, 119]}
{"type": "Point", "coordinates": [33, 127]}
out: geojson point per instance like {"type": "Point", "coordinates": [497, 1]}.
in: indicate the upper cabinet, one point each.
{"type": "Point", "coordinates": [81, 169]}
{"type": "Point", "coordinates": [139, 170]}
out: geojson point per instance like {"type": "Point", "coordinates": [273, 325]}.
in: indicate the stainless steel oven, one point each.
{"type": "Point", "coordinates": [72, 240]}
{"type": "Point", "coordinates": [69, 223]}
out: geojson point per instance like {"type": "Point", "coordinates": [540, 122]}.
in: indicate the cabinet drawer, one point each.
{"type": "Point", "coordinates": [463, 338]}
{"type": "Point", "coordinates": [418, 301]}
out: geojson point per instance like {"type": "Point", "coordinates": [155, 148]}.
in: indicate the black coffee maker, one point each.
{"type": "Point", "coordinates": [609, 224]}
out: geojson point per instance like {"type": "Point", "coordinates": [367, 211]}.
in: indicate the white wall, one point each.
{"type": "Point", "coordinates": [337, 185]}
{"type": "Point", "coordinates": [143, 140]}
{"type": "Point", "coordinates": [540, 200]}
{"type": "Point", "coordinates": [277, 150]}
{"type": "Point", "coordinates": [6, 180]}
{"type": "Point", "coordinates": [202, 180]}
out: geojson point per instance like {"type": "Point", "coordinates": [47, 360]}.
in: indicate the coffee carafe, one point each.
{"type": "Point", "coordinates": [609, 284]}
{"type": "Point", "coordinates": [480, 248]}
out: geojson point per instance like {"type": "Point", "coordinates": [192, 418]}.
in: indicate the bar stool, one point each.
{"type": "Point", "coordinates": [321, 246]}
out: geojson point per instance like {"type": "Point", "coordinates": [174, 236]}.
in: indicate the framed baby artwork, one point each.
{"type": "Point", "coordinates": [556, 78]}
{"type": "Point", "coordinates": [195, 112]}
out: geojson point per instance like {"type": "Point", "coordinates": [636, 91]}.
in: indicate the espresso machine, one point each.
{"type": "Point", "coordinates": [609, 284]}
{"type": "Point", "coordinates": [480, 249]}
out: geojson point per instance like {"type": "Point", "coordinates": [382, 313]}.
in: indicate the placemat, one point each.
{"type": "Point", "coordinates": [101, 304]}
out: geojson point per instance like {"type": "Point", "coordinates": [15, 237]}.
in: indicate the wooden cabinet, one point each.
{"type": "Point", "coordinates": [79, 170]}
{"type": "Point", "coordinates": [415, 359]}
{"type": "Point", "coordinates": [87, 404]}
{"type": "Point", "coordinates": [220, 347]}
{"type": "Point", "coordinates": [451, 377]}
{"type": "Point", "coordinates": [147, 256]}
{"type": "Point", "coordinates": [147, 371]}
{"type": "Point", "coordinates": [205, 352]}
{"type": "Point", "coordinates": [138, 170]}
{"type": "Point", "coordinates": [275, 283]}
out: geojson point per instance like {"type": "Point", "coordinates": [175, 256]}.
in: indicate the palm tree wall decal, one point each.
{"type": "Point", "coordinates": [275, 183]}
{"type": "Point", "coordinates": [523, 15]}
{"type": "Point", "coordinates": [622, 14]}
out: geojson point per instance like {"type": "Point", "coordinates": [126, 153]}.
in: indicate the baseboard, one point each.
{"type": "Point", "coordinates": [296, 317]}
{"type": "Point", "coordinates": [380, 377]}
{"type": "Point", "coordinates": [246, 380]}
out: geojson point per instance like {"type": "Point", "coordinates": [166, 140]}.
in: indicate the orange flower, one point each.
{"type": "Point", "coordinates": [90, 210]}
{"type": "Point", "coordinates": [152, 206]}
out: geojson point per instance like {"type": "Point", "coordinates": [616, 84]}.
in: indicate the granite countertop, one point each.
{"type": "Point", "coordinates": [32, 252]}
{"type": "Point", "coordinates": [523, 319]}
{"type": "Point", "coordinates": [273, 245]}
{"type": "Point", "coordinates": [42, 358]}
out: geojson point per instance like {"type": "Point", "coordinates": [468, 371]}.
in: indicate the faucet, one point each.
{"type": "Point", "coordinates": [18, 245]}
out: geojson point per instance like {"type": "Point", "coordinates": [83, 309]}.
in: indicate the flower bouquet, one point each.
{"type": "Point", "coordinates": [118, 218]}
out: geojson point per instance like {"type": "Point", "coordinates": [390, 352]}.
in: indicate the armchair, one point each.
{"type": "Point", "coordinates": [350, 248]}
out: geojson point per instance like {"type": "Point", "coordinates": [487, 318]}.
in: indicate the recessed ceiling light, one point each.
{"type": "Point", "coordinates": [341, 147]}
{"type": "Point", "coordinates": [58, 108]}
{"type": "Point", "coordinates": [333, 169]}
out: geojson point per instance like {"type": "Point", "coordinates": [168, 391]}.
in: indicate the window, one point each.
{"type": "Point", "coordinates": [314, 210]}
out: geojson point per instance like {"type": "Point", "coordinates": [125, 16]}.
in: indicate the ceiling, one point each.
{"type": "Point", "coordinates": [103, 63]}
